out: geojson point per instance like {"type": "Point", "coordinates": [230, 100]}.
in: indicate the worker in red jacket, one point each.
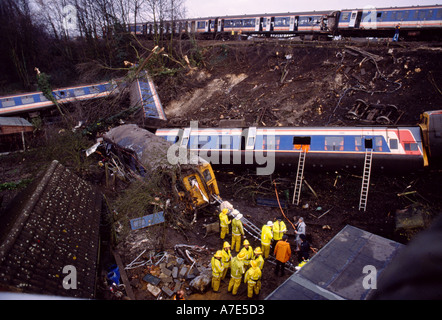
{"type": "Point", "coordinates": [282, 254]}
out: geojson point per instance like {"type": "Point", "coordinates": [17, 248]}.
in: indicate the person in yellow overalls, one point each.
{"type": "Point", "coordinates": [266, 238]}
{"type": "Point", "coordinates": [217, 270]}
{"type": "Point", "coordinates": [226, 257]}
{"type": "Point", "coordinates": [258, 257]}
{"type": "Point", "coordinates": [248, 252]}
{"type": "Point", "coordinates": [224, 223]}
{"type": "Point", "coordinates": [279, 229]}
{"type": "Point", "coordinates": [236, 271]}
{"type": "Point", "coordinates": [253, 279]}
{"type": "Point", "coordinates": [237, 231]}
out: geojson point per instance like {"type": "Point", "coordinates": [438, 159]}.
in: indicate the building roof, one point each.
{"type": "Point", "coordinates": [337, 271]}
{"type": "Point", "coordinates": [52, 224]}
{"type": "Point", "coordinates": [14, 121]}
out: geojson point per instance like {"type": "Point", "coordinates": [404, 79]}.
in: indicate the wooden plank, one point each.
{"type": "Point", "coordinates": [123, 276]}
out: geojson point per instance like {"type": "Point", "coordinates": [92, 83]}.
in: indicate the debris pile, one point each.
{"type": "Point", "coordinates": [163, 274]}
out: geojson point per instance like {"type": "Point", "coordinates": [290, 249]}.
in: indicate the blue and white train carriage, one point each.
{"type": "Point", "coordinates": [34, 101]}
{"type": "Point", "coordinates": [393, 148]}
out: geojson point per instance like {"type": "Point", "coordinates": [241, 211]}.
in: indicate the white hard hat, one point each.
{"type": "Point", "coordinates": [239, 216]}
{"type": "Point", "coordinates": [235, 212]}
{"type": "Point", "coordinates": [269, 223]}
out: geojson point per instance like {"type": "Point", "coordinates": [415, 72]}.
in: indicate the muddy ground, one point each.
{"type": "Point", "coordinates": [293, 84]}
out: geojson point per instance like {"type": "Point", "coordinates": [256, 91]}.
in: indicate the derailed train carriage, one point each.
{"type": "Point", "coordinates": [146, 155]}
{"type": "Point", "coordinates": [392, 148]}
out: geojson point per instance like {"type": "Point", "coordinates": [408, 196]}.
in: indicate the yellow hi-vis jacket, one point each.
{"type": "Point", "coordinates": [260, 261]}
{"type": "Point", "coordinates": [249, 254]}
{"type": "Point", "coordinates": [237, 228]}
{"type": "Point", "coordinates": [225, 260]}
{"type": "Point", "coordinates": [279, 228]}
{"type": "Point", "coordinates": [217, 267]}
{"type": "Point", "coordinates": [237, 268]}
{"type": "Point", "coordinates": [224, 220]}
{"type": "Point", "coordinates": [266, 235]}
{"type": "Point", "coordinates": [252, 275]}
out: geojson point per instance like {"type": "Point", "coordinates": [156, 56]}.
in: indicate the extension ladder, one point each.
{"type": "Point", "coordinates": [299, 176]}
{"type": "Point", "coordinates": [366, 179]}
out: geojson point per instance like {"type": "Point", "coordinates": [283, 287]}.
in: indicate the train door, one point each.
{"type": "Point", "coordinates": [207, 26]}
{"type": "Point", "coordinates": [186, 137]}
{"type": "Point", "coordinates": [292, 23]}
{"type": "Point", "coordinates": [269, 23]}
{"type": "Point", "coordinates": [220, 27]}
{"type": "Point", "coordinates": [257, 24]}
{"type": "Point", "coordinates": [353, 20]}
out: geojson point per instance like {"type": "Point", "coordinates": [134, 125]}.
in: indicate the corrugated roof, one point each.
{"type": "Point", "coordinates": [336, 271]}
{"type": "Point", "coordinates": [14, 121]}
{"type": "Point", "coordinates": [52, 224]}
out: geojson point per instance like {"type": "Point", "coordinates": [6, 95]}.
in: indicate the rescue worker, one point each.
{"type": "Point", "coordinates": [237, 270]}
{"type": "Point", "coordinates": [266, 238]}
{"type": "Point", "coordinates": [258, 257]}
{"type": "Point", "coordinates": [226, 258]}
{"type": "Point", "coordinates": [237, 231]}
{"type": "Point", "coordinates": [253, 279]}
{"type": "Point", "coordinates": [248, 252]}
{"type": "Point", "coordinates": [300, 229]}
{"type": "Point", "coordinates": [217, 270]}
{"type": "Point", "coordinates": [279, 229]}
{"type": "Point", "coordinates": [396, 33]}
{"type": "Point", "coordinates": [224, 222]}
{"type": "Point", "coordinates": [282, 254]}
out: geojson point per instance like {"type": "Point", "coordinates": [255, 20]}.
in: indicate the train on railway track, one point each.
{"type": "Point", "coordinates": [414, 22]}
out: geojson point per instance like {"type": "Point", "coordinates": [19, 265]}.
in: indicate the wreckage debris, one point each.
{"type": "Point", "coordinates": [374, 113]}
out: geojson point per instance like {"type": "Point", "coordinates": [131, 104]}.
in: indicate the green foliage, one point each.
{"type": "Point", "coordinates": [14, 185]}
{"type": "Point", "coordinates": [69, 149]}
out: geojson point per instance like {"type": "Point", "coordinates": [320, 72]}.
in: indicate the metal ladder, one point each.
{"type": "Point", "coordinates": [366, 179]}
{"type": "Point", "coordinates": [299, 177]}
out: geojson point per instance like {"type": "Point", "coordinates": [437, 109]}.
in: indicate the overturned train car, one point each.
{"type": "Point", "coordinates": [144, 155]}
{"type": "Point", "coordinates": [392, 149]}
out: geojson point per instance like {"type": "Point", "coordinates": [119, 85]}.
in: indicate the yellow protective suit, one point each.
{"type": "Point", "coordinates": [253, 280]}
{"type": "Point", "coordinates": [237, 233]}
{"type": "Point", "coordinates": [217, 270]}
{"type": "Point", "coordinates": [224, 223]}
{"type": "Point", "coordinates": [236, 271]}
{"type": "Point", "coordinates": [279, 228]}
{"type": "Point", "coordinates": [266, 240]}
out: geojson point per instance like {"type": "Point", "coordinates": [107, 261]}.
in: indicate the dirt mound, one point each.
{"type": "Point", "coordinates": [299, 85]}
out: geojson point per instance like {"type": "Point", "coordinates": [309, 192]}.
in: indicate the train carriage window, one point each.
{"type": "Point", "coordinates": [422, 15]}
{"type": "Point", "coordinates": [225, 142]}
{"type": "Point", "coordinates": [439, 14]}
{"type": "Point", "coordinates": [411, 146]}
{"type": "Point", "coordinates": [378, 143]}
{"type": "Point", "coordinates": [8, 102]}
{"type": "Point", "coordinates": [204, 141]}
{"type": "Point", "coordinates": [271, 142]}
{"type": "Point", "coordinates": [345, 16]}
{"type": "Point", "coordinates": [79, 92]}
{"type": "Point", "coordinates": [334, 143]}
{"type": "Point", "coordinates": [358, 144]}
{"type": "Point", "coordinates": [27, 99]}
{"type": "Point", "coordinates": [393, 144]}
